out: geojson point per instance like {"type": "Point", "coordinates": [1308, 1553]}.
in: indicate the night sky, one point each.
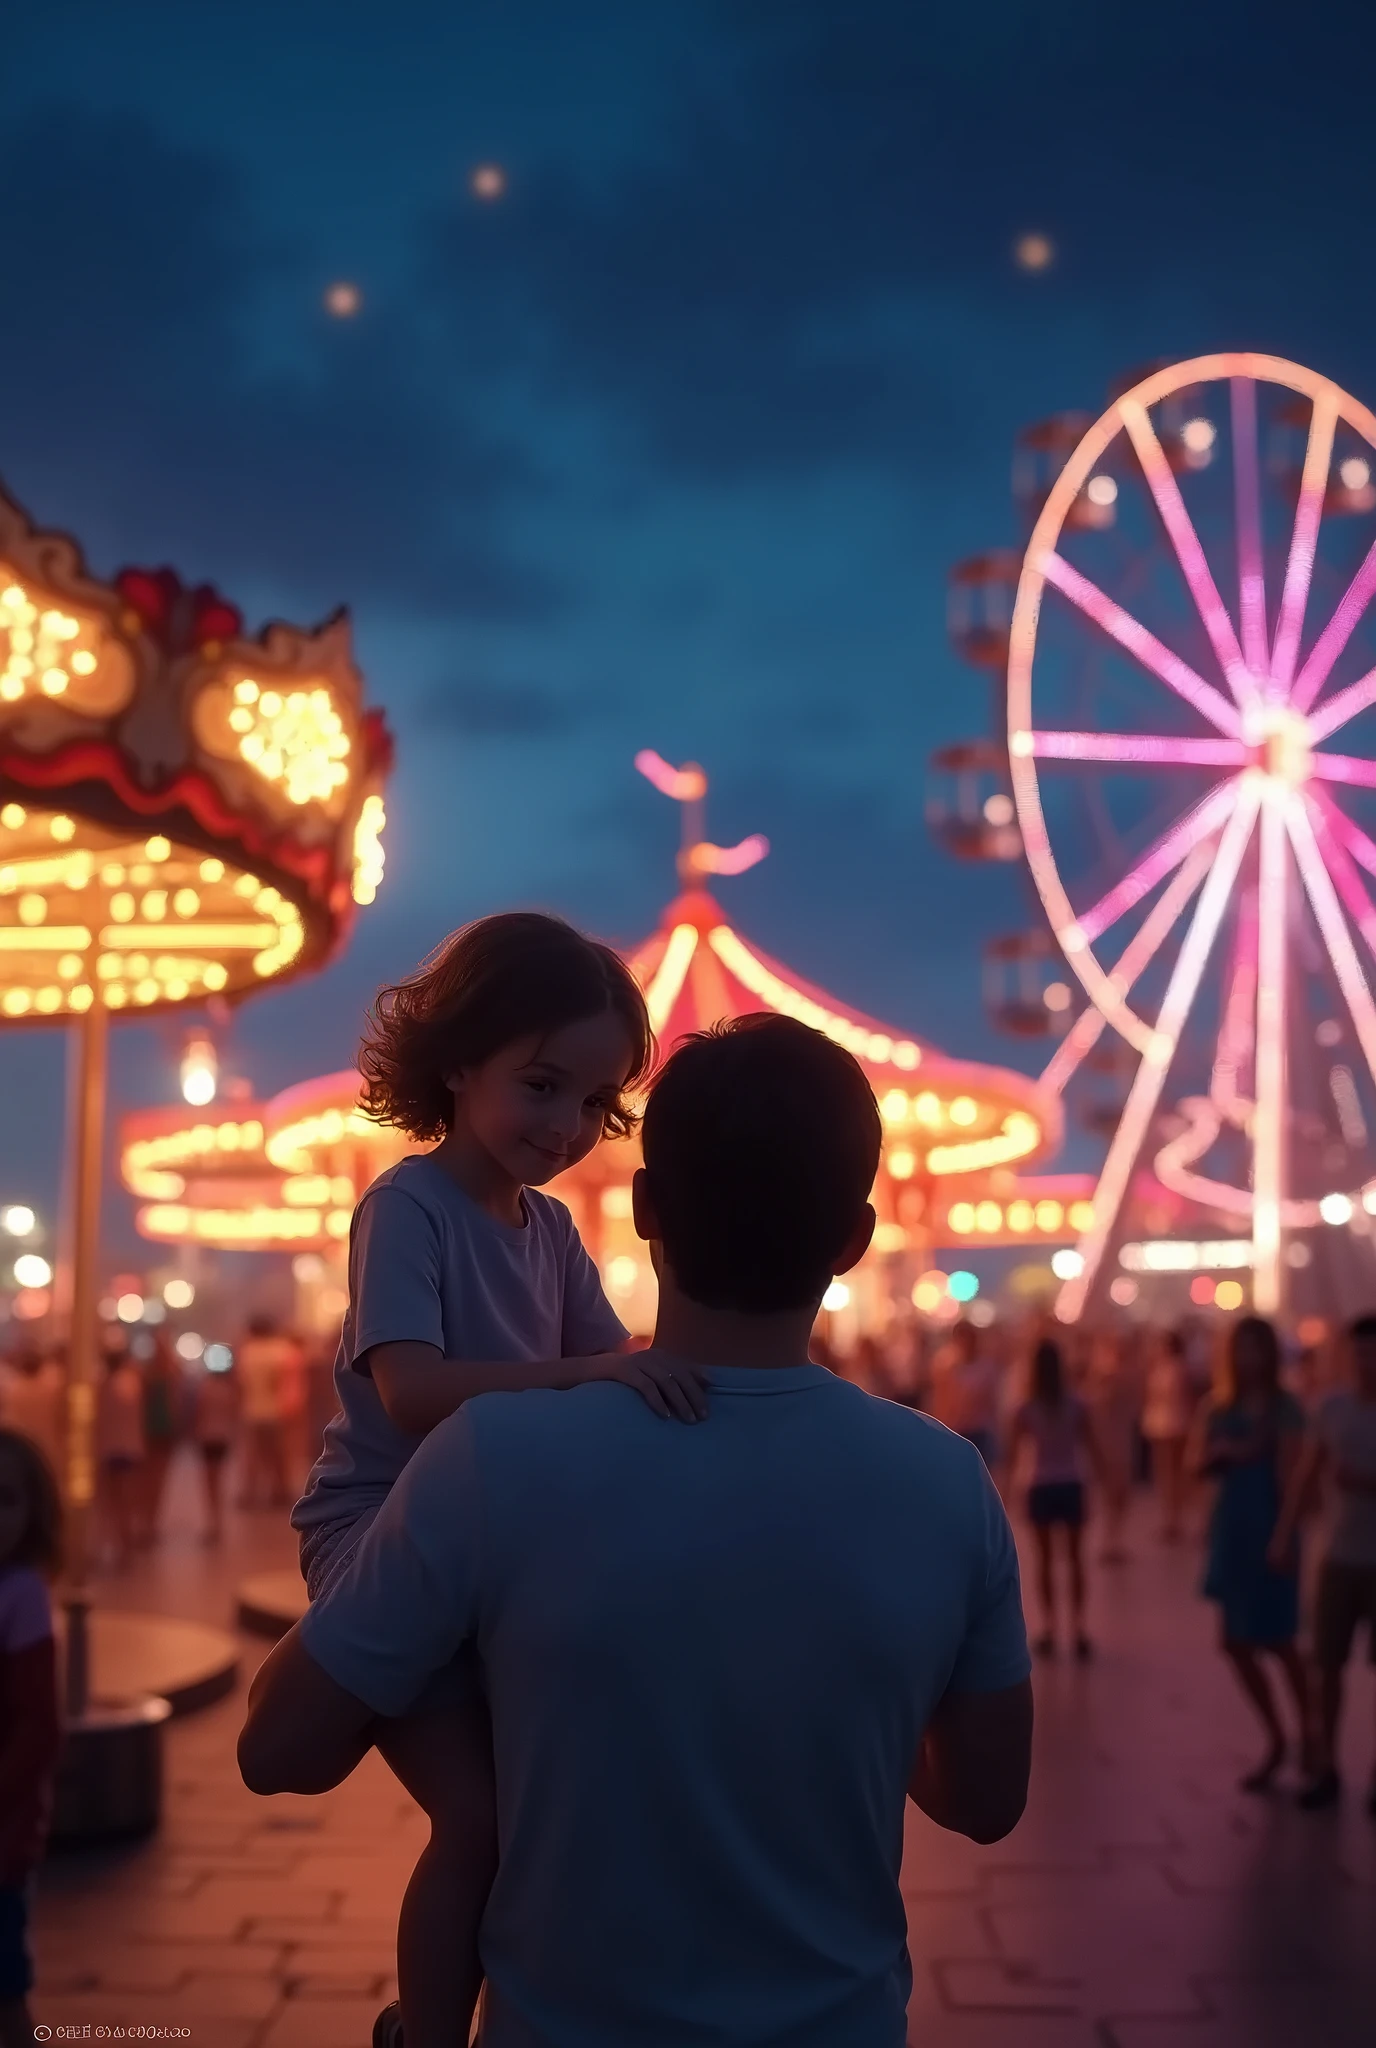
{"type": "Point", "coordinates": [669, 446]}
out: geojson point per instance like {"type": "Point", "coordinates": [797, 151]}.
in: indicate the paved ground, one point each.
{"type": "Point", "coordinates": [1143, 1903]}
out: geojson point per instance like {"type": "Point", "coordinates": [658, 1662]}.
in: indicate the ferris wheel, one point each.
{"type": "Point", "coordinates": [1195, 829]}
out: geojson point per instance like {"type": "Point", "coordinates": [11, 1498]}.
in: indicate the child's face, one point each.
{"type": "Point", "coordinates": [14, 1505]}
{"type": "Point", "coordinates": [537, 1106]}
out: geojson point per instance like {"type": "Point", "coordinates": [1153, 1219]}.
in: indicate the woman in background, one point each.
{"type": "Point", "coordinates": [1166, 1427]}
{"type": "Point", "coordinates": [1111, 1397]}
{"type": "Point", "coordinates": [1055, 1423]}
{"type": "Point", "coordinates": [1248, 1442]}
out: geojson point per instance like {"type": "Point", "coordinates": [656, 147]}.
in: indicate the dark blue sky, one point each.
{"type": "Point", "coordinates": [674, 444]}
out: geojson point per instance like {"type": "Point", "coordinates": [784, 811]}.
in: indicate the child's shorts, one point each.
{"type": "Point", "coordinates": [16, 1968]}
{"type": "Point", "coordinates": [326, 1555]}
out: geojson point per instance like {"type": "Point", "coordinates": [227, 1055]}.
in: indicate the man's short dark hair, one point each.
{"type": "Point", "coordinates": [761, 1142]}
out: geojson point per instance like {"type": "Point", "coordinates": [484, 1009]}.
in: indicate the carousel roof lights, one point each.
{"type": "Point", "coordinates": [185, 811]}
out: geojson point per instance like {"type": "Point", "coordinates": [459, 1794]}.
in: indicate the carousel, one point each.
{"type": "Point", "coordinates": [960, 1138]}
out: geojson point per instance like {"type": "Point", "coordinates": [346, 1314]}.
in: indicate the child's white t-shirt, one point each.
{"type": "Point", "coordinates": [428, 1265]}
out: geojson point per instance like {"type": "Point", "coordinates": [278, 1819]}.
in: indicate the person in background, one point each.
{"type": "Point", "coordinates": [162, 1418]}
{"type": "Point", "coordinates": [1111, 1398]}
{"type": "Point", "coordinates": [265, 1358]}
{"type": "Point", "coordinates": [1166, 1427]}
{"type": "Point", "coordinates": [119, 1449]}
{"type": "Point", "coordinates": [965, 1389]}
{"type": "Point", "coordinates": [1055, 1423]}
{"type": "Point", "coordinates": [30, 1730]}
{"type": "Point", "coordinates": [1248, 1441]}
{"type": "Point", "coordinates": [215, 1424]}
{"type": "Point", "coordinates": [1339, 1454]}
{"type": "Point", "coordinates": [34, 1401]}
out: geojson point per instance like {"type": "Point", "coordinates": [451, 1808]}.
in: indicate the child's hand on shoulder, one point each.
{"type": "Point", "coordinates": [674, 1390]}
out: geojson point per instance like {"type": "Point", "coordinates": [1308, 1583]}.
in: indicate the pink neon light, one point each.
{"type": "Point", "coordinates": [1247, 494]}
{"type": "Point", "coordinates": [1345, 768]}
{"type": "Point", "coordinates": [1186, 543]}
{"type": "Point", "coordinates": [1127, 631]}
{"type": "Point", "coordinates": [1336, 633]}
{"type": "Point", "coordinates": [684, 785]}
{"type": "Point", "coordinates": [1168, 851]}
{"type": "Point", "coordinates": [1132, 746]}
{"type": "Point", "coordinates": [1338, 710]}
{"type": "Point", "coordinates": [730, 860]}
{"type": "Point", "coordinates": [1150, 1077]}
{"type": "Point", "coordinates": [1329, 917]}
{"type": "Point", "coordinates": [1350, 835]}
{"type": "Point", "coordinates": [1304, 540]}
{"type": "Point", "coordinates": [1323, 816]}
{"type": "Point", "coordinates": [1268, 1124]}
{"type": "Point", "coordinates": [1141, 949]}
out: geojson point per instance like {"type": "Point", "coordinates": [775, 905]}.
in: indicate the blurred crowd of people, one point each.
{"type": "Point", "coordinates": [1266, 1455]}
{"type": "Point", "coordinates": [261, 1413]}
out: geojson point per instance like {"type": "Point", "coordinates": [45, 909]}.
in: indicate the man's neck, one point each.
{"type": "Point", "coordinates": [711, 1336]}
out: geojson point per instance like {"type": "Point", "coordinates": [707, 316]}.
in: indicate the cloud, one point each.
{"type": "Point", "coordinates": [815, 265]}
{"type": "Point", "coordinates": [139, 405]}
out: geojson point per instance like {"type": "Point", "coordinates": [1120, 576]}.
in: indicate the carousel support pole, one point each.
{"type": "Point", "coordinates": [83, 1367]}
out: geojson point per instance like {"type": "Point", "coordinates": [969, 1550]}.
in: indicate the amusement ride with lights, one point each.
{"type": "Point", "coordinates": [283, 1175]}
{"type": "Point", "coordinates": [187, 814]}
{"type": "Point", "coordinates": [1187, 768]}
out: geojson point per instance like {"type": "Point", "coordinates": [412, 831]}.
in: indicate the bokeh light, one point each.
{"type": "Point", "coordinates": [343, 300]}
{"type": "Point", "coordinates": [1034, 252]}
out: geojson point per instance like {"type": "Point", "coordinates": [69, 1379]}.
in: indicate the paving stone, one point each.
{"type": "Point", "coordinates": [1142, 1903]}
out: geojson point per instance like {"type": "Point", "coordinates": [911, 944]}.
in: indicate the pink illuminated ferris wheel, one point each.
{"type": "Point", "coordinates": [1191, 739]}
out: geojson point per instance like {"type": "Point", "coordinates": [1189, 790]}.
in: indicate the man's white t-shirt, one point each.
{"type": "Point", "coordinates": [710, 1651]}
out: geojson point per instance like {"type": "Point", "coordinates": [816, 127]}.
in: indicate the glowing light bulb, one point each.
{"type": "Point", "coordinates": [1034, 252]}
{"type": "Point", "coordinates": [342, 299]}
{"type": "Point", "coordinates": [1101, 490]}
{"type": "Point", "coordinates": [836, 1297]}
{"type": "Point", "coordinates": [199, 1073]}
{"type": "Point", "coordinates": [1355, 473]}
{"type": "Point", "coordinates": [487, 182]}
{"type": "Point", "coordinates": [1198, 436]}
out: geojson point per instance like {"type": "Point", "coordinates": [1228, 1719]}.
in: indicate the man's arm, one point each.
{"type": "Point", "coordinates": [419, 1386]}
{"type": "Point", "coordinates": [974, 1762]}
{"type": "Point", "coordinates": [304, 1732]}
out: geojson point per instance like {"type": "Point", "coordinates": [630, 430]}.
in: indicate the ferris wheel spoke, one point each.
{"type": "Point", "coordinates": [1345, 768]}
{"type": "Point", "coordinates": [1150, 1077]}
{"type": "Point", "coordinates": [1188, 549]}
{"type": "Point", "coordinates": [1167, 853]}
{"type": "Point", "coordinates": [1346, 705]}
{"type": "Point", "coordinates": [1329, 823]}
{"type": "Point", "coordinates": [1348, 833]}
{"type": "Point", "coordinates": [1141, 748]}
{"type": "Point", "coordinates": [1251, 597]}
{"type": "Point", "coordinates": [1332, 925]}
{"type": "Point", "coordinates": [1336, 633]}
{"type": "Point", "coordinates": [1136, 956]}
{"type": "Point", "coordinates": [1143, 645]}
{"type": "Point", "coordinates": [1268, 1122]}
{"type": "Point", "coordinates": [1304, 539]}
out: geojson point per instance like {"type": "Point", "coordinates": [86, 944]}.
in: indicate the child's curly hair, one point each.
{"type": "Point", "coordinates": [516, 975]}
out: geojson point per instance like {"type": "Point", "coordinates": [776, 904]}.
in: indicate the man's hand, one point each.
{"type": "Point", "coordinates": [974, 1762]}
{"type": "Point", "coordinates": [304, 1733]}
{"type": "Point", "coordinates": [672, 1388]}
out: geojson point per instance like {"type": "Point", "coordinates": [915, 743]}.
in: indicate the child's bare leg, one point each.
{"type": "Point", "coordinates": [443, 1756]}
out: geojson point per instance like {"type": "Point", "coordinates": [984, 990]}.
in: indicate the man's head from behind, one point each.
{"type": "Point", "coordinates": [761, 1141]}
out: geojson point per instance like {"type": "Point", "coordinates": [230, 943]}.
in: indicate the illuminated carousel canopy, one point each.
{"type": "Point", "coordinates": [185, 811]}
